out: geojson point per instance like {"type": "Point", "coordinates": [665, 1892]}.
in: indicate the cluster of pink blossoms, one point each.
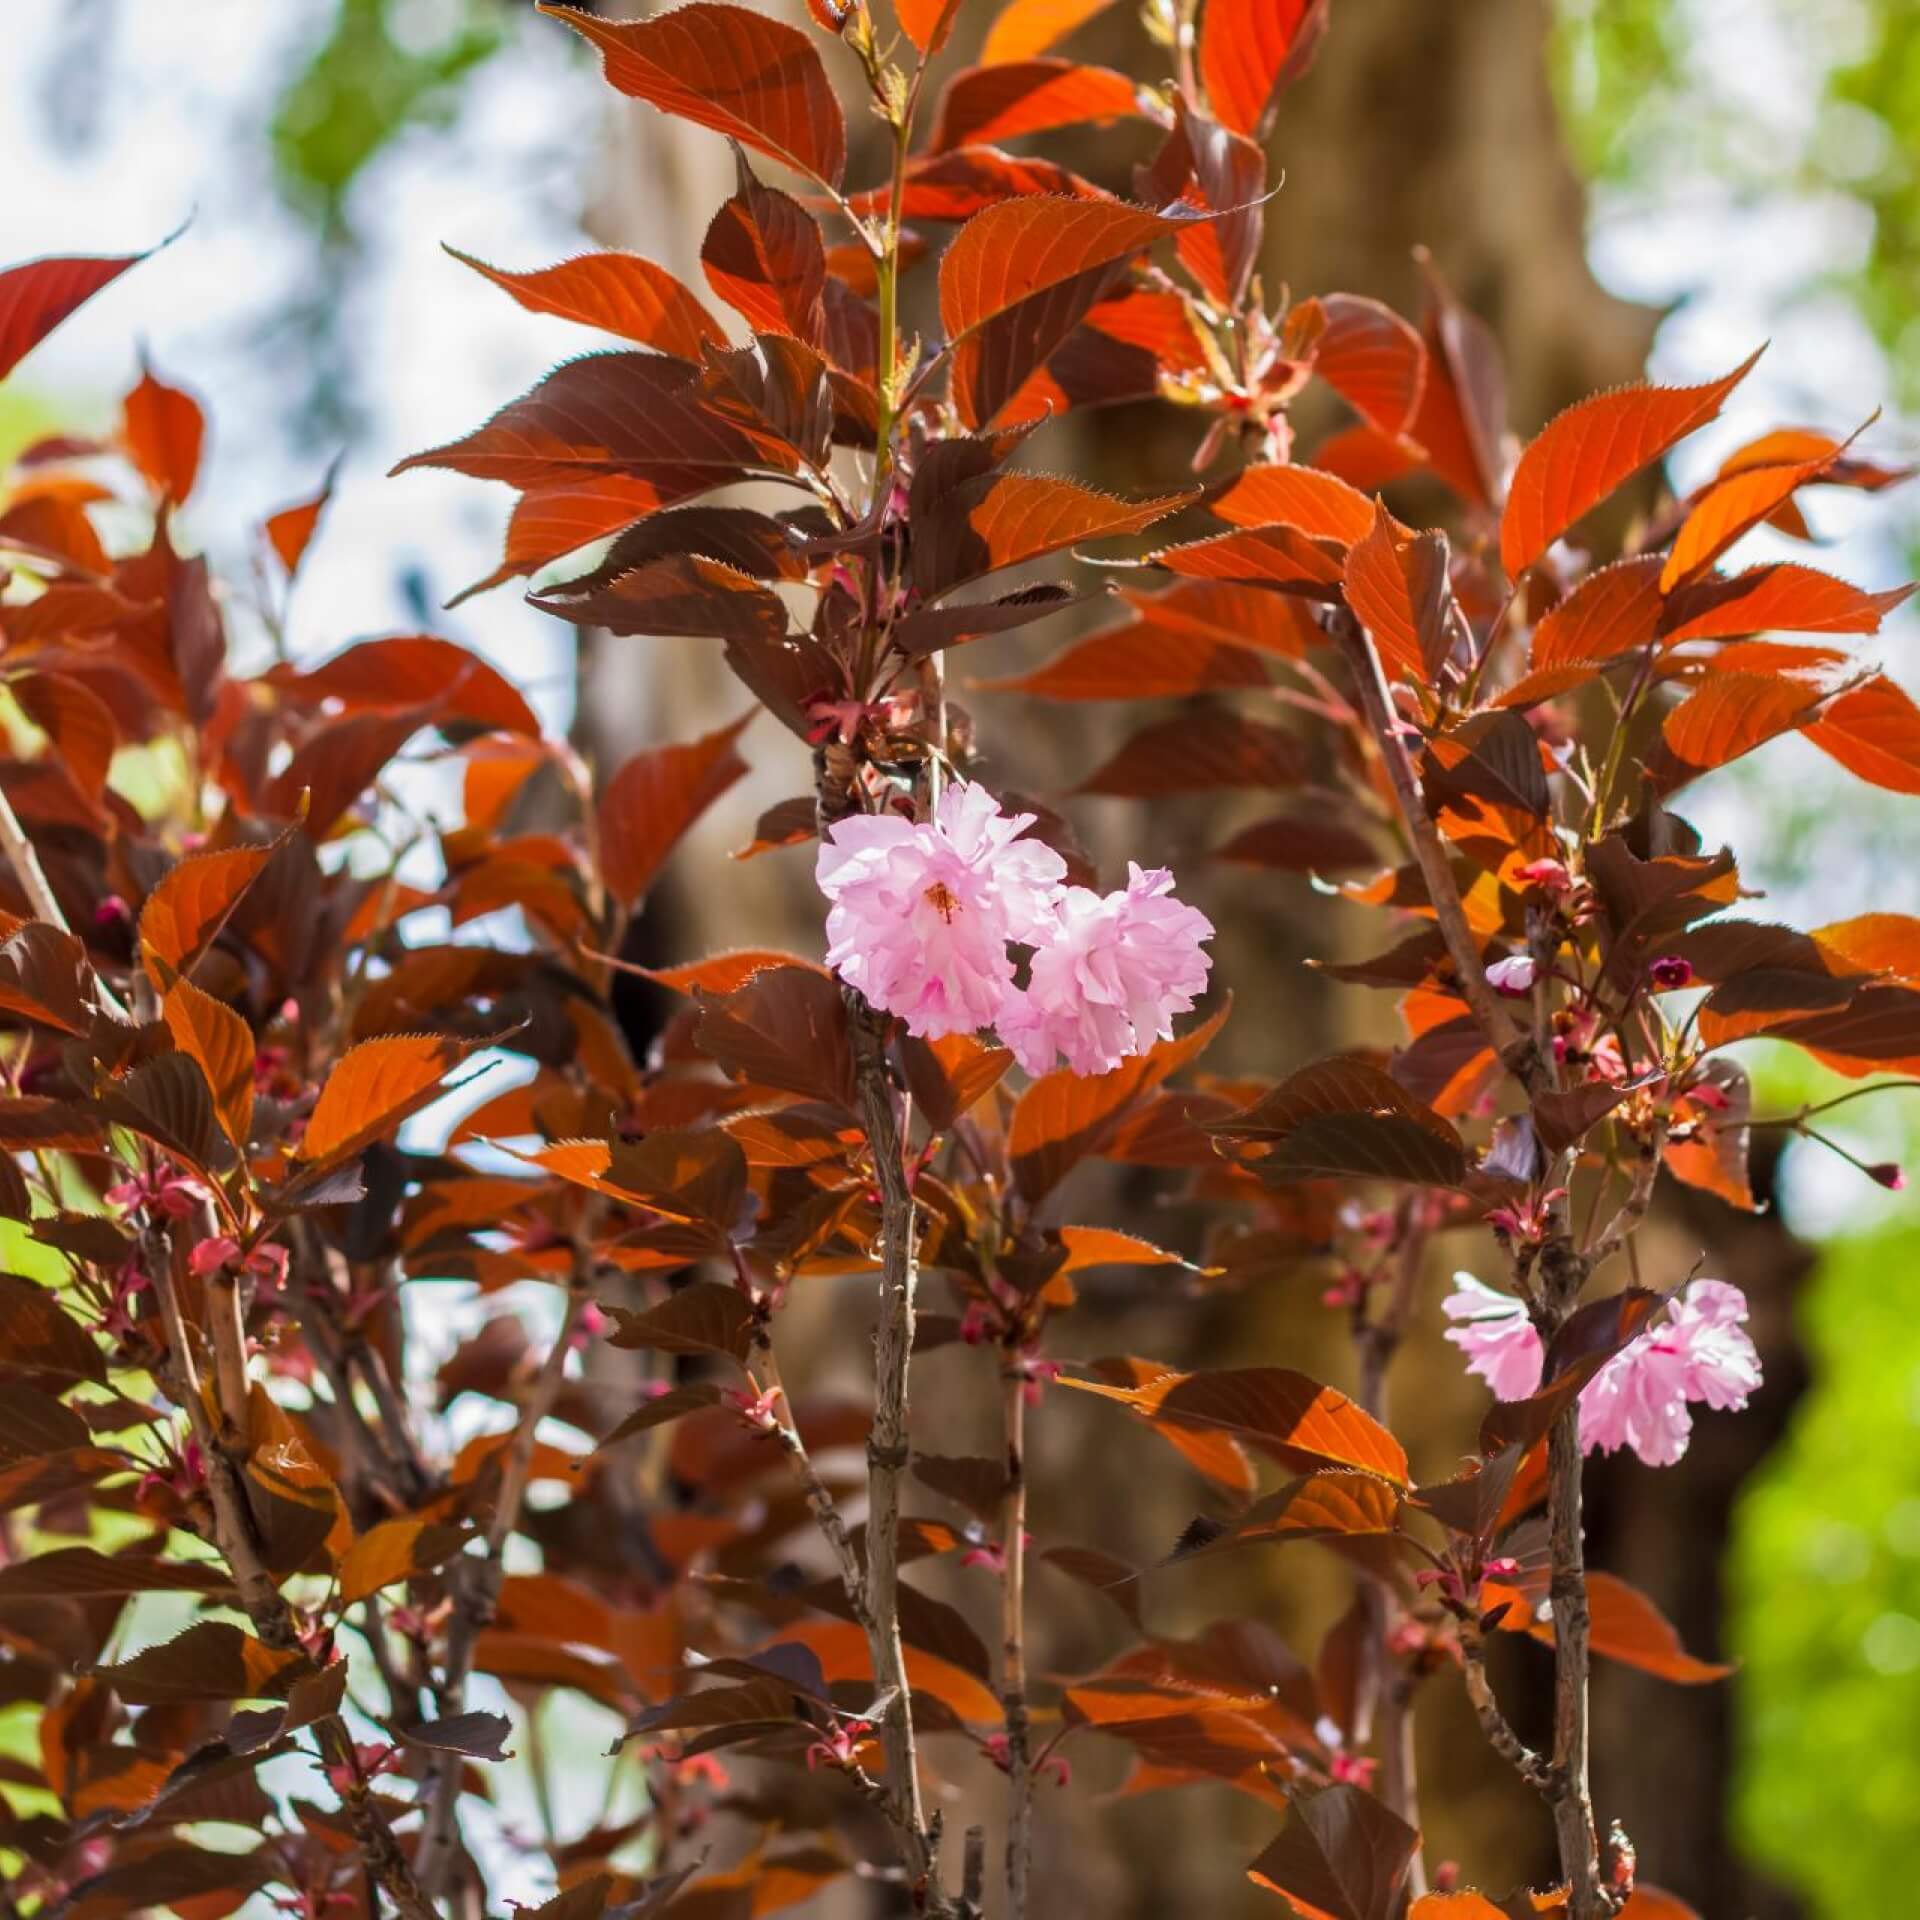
{"type": "Point", "coordinates": [1700, 1351]}
{"type": "Point", "coordinates": [923, 915]}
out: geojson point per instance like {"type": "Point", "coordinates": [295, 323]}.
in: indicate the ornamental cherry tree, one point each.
{"type": "Point", "coordinates": [252, 1573]}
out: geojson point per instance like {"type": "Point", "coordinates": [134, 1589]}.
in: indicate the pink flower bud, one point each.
{"type": "Point", "coordinates": [211, 1256]}
{"type": "Point", "coordinates": [1890, 1175]}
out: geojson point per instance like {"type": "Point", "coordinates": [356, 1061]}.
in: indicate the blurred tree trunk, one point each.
{"type": "Point", "coordinates": [1420, 125]}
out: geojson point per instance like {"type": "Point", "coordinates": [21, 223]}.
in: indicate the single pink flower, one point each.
{"type": "Point", "coordinates": [1699, 1351]}
{"type": "Point", "coordinates": [1108, 976]}
{"type": "Point", "coordinates": [922, 912]}
{"type": "Point", "coordinates": [1493, 1331]}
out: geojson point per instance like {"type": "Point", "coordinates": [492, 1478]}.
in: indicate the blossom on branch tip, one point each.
{"type": "Point", "coordinates": [1698, 1351]}
{"type": "Point", "coordinates": [1108, 976]}
{"type": "Point", "coordinates": [922, 912]}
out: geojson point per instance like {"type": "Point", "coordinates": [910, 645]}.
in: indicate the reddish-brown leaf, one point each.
{"type": "Point", "coordinates": [1282, 1413]}
{"type": "Point", "coordinates": [1064, 1116]}
{"type": "Point", "coordinates": [163, 430]}
{"type": "Point", "coordinates": [985, 104]}
{"type": "Point", "coordinates": [785, 1027]}
{"type": "Point", "coordinates": [1251, 51]}
{"type": "Point", "coordinates": [77, 722]}
{"type": "Point", "coordinates": [553, 521]}
{"type": "Point", "coordinates": [1214, 748]}
{"type": "Point", "coordinates": [619, 293]}
{"type": "Point", "coordinates": [336, 763]}
{"type": "Point", "coordinates": [680, 594]}
{"type": "Point", "coordinates": [1371, 357]}
{"type": "Point", "coordinates": [1627, 1627]}
{"type": "Point", "coordinates": [418, 672]}
{"type": "Point", "coordinates": [654, 798]}
{"type": "Point", "coordinates": [764, 256]}
{"type": "Point", "coordinates": [1583, 454]}
{"type": "Point", "coordinates": [730, 68]}
{"type": "Point", "coordinates": [1300, 843]}
{"type": "Point", "coordinates": [37, 296]}
{"type": "Point", "coordinates": [1873, 730]}
{"type": "Point", "coordinates": [1141, 660]}
{"type": "Point", "coordinates": [640, 414]}
{"type": "Point", "coordinates": [1398, 587]}
{"type": "Point", "coordinates": [927, 22]}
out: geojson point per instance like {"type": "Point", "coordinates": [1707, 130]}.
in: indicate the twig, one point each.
{"type": "Point", "coordinates": [1013, 1664]}
{"type": "Point", "coordinates": [889, 1448]}
{"type": "Point", "coordinates": [820, 1501]}
{"type": "Point", "coordinates": [1428, 850]}
{"type": "Point", "coordinates": [1493, 1723]}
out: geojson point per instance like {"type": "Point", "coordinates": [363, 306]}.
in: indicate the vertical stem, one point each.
{"type": "Point", "coordinates": [1013, 1645]}
{"type": "Point", "coordinates": [889, 1447]}
{"type": "Point", "coordinates": [1573, 1800]}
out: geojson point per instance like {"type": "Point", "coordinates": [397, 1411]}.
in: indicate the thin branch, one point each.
{"type": "Point", "coordinates": [1013, 1643]}
{"type": "Point", "coordinates": [1531, 1768]}
{"type": "Point", "coordinates": [820, 1501]}
{"type": "Point", "coordinates": [1376, 703]}
{"type": "Point", "coordinates": [889, 1448]}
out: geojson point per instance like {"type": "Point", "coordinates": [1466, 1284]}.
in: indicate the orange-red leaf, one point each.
{"type": "Point", "coordinates": [78, 723]}
{"type": "Point", "coordinates": [654, 798]}
{"type": "Point", "coordinates": [1250, 51]}
{"type": "Point", "coordinates": [291, 529]}
{"type": "Point", "coordinates": [1783, 598]}
{"type": "Point", "coordinates": [1371, 357]}
{"type": "Point", "coordinates": [221, 1044]}
{"type": "Point", "coordinates": [1873, 730]}
{"type": "Point", "coordinates": [1609, 613]}
{"type": "Point", "coordinates": [371, 1090]}
{"type": "Point", "coordinates": [1730, 508]}
{"type": "Point", "coordinates": [987, 104]}
{"type": "Point", "coordinates": [191, 904]}
{"type": "Point", "coordinates": [163, 430]}
{"type": "Point", "coordinates": [727, 67]}
{"type": "Point", "coordinates": [1729, 715]}
{"type": "Point", "coordinates": [927, 22]}
{"type": "Point", "coordinates": [1583, 454]}
{"type": "Point", "coordinates": [1260, 556]}
{"type": "Point", "coordinates": [1316, 503]}
{"type": "Point", "coordinates": [553, 521]}
{"type": "Point", "coordinates": [1020, 248]}
{"type": "Point", "coordinates": [1398, 587]}
{"type": "Point", "coordinates": [619, 293]}
{"type": "Point", "coordinates": [1024, 28]}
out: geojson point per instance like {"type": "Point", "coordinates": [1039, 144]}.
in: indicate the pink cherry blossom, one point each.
{"type": "Point", "coordinates": [1493, 1331]}
{"type": "Point", "coordinates": [1698, 1351]}
{"type": "Point", "coordinates": [1108, 976]}
{"type": "Point", "coordinates": [922, 912]}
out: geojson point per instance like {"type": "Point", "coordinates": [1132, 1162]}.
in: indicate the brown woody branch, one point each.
{"type": "Point", "coordinates": [1013, 1643]}
{"type": "Point", "coordinates": [1562, 1273]}
{"type": "Point", "coordinates": [889, 1447]}
{"type": "Point", "coordinates": [1531, 1768]}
